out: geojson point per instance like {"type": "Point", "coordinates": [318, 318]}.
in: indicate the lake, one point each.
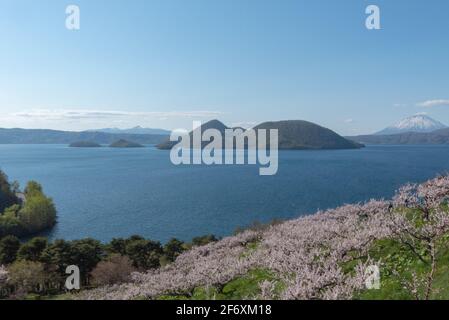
{"type": "Point", "coordinates": [105, 193]}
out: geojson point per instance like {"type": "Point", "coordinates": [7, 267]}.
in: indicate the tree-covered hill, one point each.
{"type": "Point", "coordinates": [21, 217]}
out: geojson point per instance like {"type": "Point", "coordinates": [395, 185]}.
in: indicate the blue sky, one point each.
{"type": "Point", "coordinates": [165, 63]}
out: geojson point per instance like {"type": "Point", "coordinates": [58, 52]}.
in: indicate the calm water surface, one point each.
{"type": "Point", "coordinates": [105, 193]}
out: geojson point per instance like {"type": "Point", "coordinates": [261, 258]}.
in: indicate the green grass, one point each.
{"type": "Point", "coordinates": [244, 287]}
{"type": "Point", "coordinates": [395, 256]}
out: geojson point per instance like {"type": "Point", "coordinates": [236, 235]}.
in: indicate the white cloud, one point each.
{"type": "Point", "coordinates": [83, 119]}
{"type": "Point", "coordinates": [434, 103]}
{"type": "Point", "coordinates": [349, 120]}
{"type": "Point", "coordinates": [45, 114]}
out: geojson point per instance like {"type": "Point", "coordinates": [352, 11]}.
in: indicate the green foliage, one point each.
{"type": "Point", "coordinates": [9, 246]}
{"type": "Point", "coordinates": [144, 254]}
{"type": "Point", "coordinates": [28, 277]}
{"type": "Point", "coordinates": [32, 250]}
{"type": "Point", "coordinates": [247, 286]}
{"type": "Point", "coordinates": [244, 287]}
{"type": "Point", "coordinates": [39, 212]}
{"type": "Point", "coordinates": [173, 248]}
{"type": "Point", "coordinates": [7, 195]}
{"type": "Point", "coordinates": [36, 214]}
{"type": "Point", "coordinates": [203, 240]}
{"type": "Point", "coordinates": [86, 254]}
{"type": "Point", "coordinates": [32, 189]}
{"type": "Point", "coordinates": [58, 254]}
{"type": "Point", "coordinates": [10, 223]}
{"type": "Point", "coordinates": [397, 265]}
{"type": "Point", "coordinates": [118, 246]}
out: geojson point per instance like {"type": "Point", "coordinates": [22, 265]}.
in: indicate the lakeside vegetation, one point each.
{"type": "Point", "coordinates": [24, 213]}
{"type": "Point", "coordinates": [36, 268]}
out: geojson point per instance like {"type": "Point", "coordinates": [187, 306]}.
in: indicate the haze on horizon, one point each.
{"type": "Point", "coordinates": [163, 64]}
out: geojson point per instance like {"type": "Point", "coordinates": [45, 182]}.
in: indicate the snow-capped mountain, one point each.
{"type": "Point", "coordinates": [416, 123]}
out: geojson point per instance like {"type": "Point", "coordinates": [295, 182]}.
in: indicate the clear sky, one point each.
{"type": "Point", "coordinates": [165, 63]}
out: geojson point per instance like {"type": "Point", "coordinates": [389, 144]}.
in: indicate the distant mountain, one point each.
{"type": "Point", "coordinates": [135, 130]}
{"type": "Point", "coordinates": [416, 123]}
{"type": "Point", "coordinates": [293, 134]}
{"type": "Point", "coordinates": [434, 137]}
{"type": "Point", "coordinates": [43, 136]}
{"type": "Point", "coordinates": [125, 144]}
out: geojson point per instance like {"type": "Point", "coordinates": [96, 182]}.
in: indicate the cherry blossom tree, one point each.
{"type": "Point", "coordinates": [420, 221]}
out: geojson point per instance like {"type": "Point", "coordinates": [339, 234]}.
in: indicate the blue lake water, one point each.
{"type": "Point", "coordinates": [105, 193]}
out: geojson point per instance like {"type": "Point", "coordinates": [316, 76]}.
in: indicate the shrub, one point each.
{"type": "Point", "coordinates": [9, 246]}
{"type": "Point", "coordinates": [116, 269]}
{"type": "Point", "coordinates": [27, 277]}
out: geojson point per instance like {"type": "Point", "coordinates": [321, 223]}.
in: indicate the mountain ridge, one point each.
{"type": "Point", "coordinates": [47, 136]}
{"type": "Point", "coordinates": [133, 130]}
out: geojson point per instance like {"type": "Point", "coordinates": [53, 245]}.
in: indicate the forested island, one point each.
{"type": "Point", "coordinates": [84, 144]}
{"type": "Point", "coordinates": [122, 143]}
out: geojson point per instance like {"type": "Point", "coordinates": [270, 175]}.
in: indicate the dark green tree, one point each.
{"type": "Point", "coordinates": [86, 254]}
{"type": "Point", "coordinates": [203, 240]}
{"type": "Point", "coordinates": [32, 250]}
{"type": "Point", "coordinates": [9, 246]}
{"type": "Point", "coordinates": [58, 254]}
{"type": "Point", "coordinates": [173, 248]}
{"type": "Point", "coordinates": [144, 254]}
{"type": "Point", "coordinates": [117, 246]}
{"type": "Point", "coordinates": [7, 195]}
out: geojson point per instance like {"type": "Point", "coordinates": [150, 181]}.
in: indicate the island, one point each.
{"type": "Point", "coordinates": [293, 135]}
{"type": "Point", "coordinates": [125, 144]}
{"type": "Point", "coordinates": [84, 144]}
